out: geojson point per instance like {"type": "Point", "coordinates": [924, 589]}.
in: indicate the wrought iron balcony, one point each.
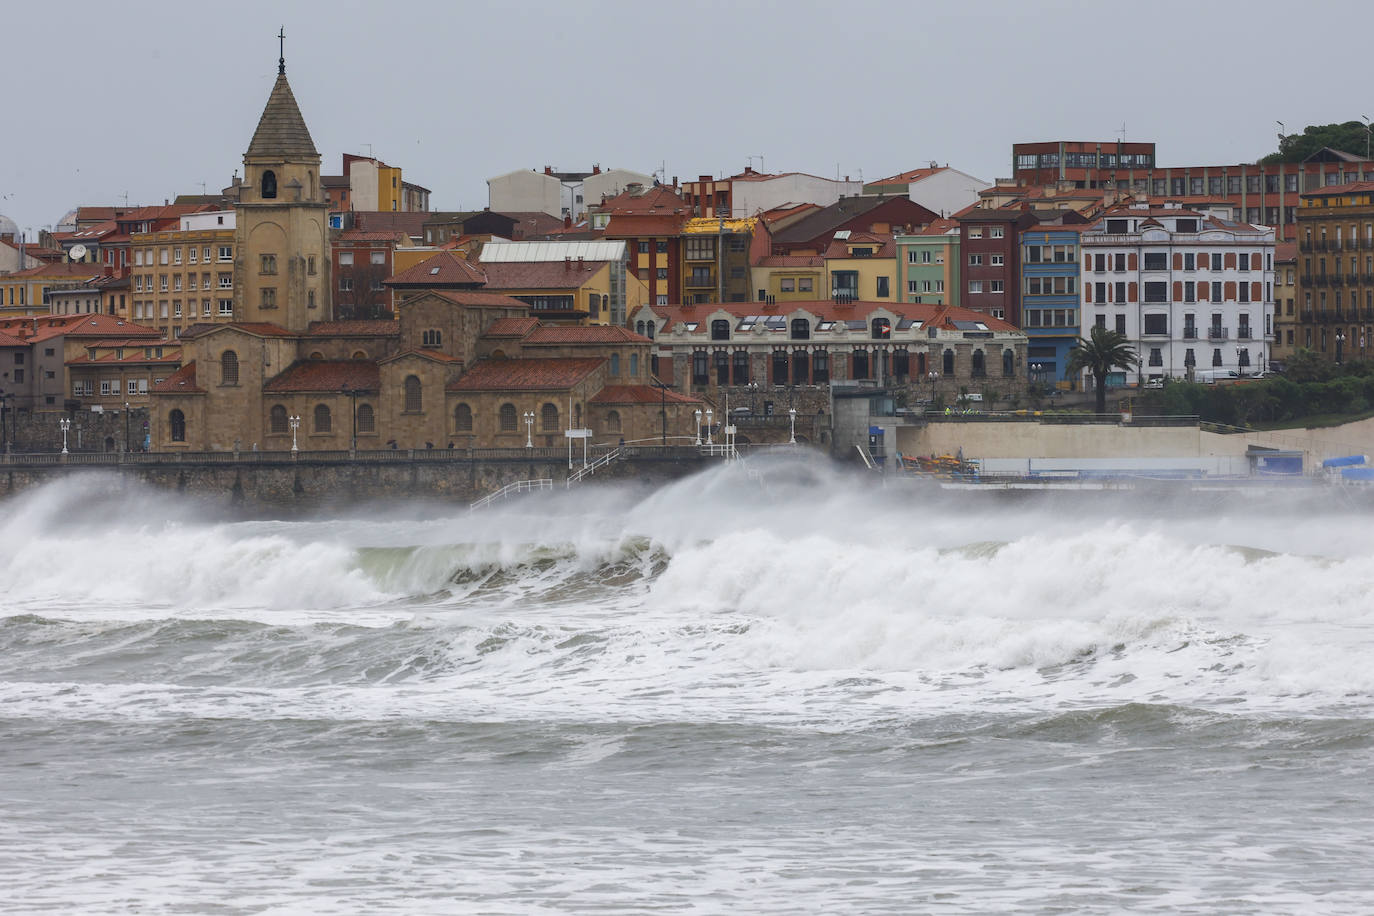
{"type": "Point", "coordinates": [1242, 333]}
{"type": "Point", "coordinates": [1307, 315]}
{"type": "Point", "coordinates": [1217, 333]}
{"type": "Point", "coordinates": [1190, 333]}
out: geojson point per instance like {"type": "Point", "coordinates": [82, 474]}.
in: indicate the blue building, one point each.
{"type": "Point", "coordinates": [1050, 297]}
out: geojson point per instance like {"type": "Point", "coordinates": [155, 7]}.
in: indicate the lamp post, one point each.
{"type": "Point", "coordinates": [1240, 370]}
{"type": "Point", "coordinates": [753, 399]}
{"type": "Point", "coordinates": [708, 426]}
{"type": "Point", "coordinates": [697, 414]}
{"type": "Point", "coordinates": [792, 423]}
{"type": "Point", "coordinates": [934, 377]}
{"type": "Point", "coordinates": [126, 426]}
{"type": "Point", "coordinates": [64, 424]}
{"type": "Point", "coordinates": [4, 424]}
{"type": "Point", "coordinates": [1340, 340]}
{"type": "Point", "coordinates": [662, 405]}
{"type": "Point", "coordinates": [295, 424]}
{"type": "Point", "coordinates": [529, 428]}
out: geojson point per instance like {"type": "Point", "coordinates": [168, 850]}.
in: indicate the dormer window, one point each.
{"type": "Point", "coordinates": [269, 185]}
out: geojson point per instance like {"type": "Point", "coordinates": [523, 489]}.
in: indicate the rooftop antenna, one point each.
{"type": "Point", "coordinates": [281, 61]}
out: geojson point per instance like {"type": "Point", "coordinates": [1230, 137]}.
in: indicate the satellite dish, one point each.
{"type": "Point", "coordinates": [78, 252]}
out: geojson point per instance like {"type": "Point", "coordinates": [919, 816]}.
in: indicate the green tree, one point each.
{"type": "Point", "coordinates": [1349, 137]}
{"type": "Point", "coordinates": [1098, 354]}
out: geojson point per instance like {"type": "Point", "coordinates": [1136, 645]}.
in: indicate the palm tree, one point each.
{"type": "Point", "coordinates": [1100, 353]}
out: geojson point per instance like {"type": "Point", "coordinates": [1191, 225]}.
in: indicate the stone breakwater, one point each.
{"type": "Point", "coordinates": [257, 483]}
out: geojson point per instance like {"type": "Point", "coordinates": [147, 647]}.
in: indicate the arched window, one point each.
{"type": "Point", "coordinates": [858, 363]}
{"type": "Point", "coordinates": [462, 418]}
{"type": "Point", "coordinates": [269, 185]}
{"type": "Point", "coordinates": [779, 367]}
{"type": "Point", "coordinates": [229, 368]}
{"type": "Point", "coordinates": [613, 422]}
{"type": "Point", "coordinates": [650, 328]}
{"type": "Point", "coordinates": [316, 355]}
{"type": "Point", "coordinates": [639, 328]}
{"type": "Point", "coordinates": [720, 329]}
{"type": "Point", "coordinates": [413, 395]}
{"type": "Point", "coordinates": [700, 370]}
{"type": "Point", "coordinates": [594, 305]}
{"type": "Point", "coordinates": [359, 354]}
{"type": "Point", "coordinates": [634, 365]}
{"type": "Point", "coordinates": [615, 365]}
{"type": "Point", "coordinates": [980, 364]}
{"type": "Point", "coordinates": [324, 422]}
{"type": "Point", "coordinates": [1007, 362]}
{"type": "Point", "coordinates": [177, 421]}
{"type": "Point", "coordinates": [548, 418]}
{"type": "Point", "coordinates": [276, 420]}
{"type": "Point", "coordinates": [367, 419]}
{"type": "Point", "coordinates": [948, 363]}
{"type": "Point", "coordinates": [509, 418]}
{"type": "Point", "coordinates": [801, 329]}
{"type": "Point", "coordinates": [741, 371]}
{"type": "Point", "coordinates": [882, 329]}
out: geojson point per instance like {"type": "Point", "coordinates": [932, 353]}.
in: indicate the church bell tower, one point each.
{"type": "Point", "coordinates": [282, 252]}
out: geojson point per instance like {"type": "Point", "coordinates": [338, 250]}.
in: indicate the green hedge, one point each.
{"type": "Point", "coordinates": [1302, 391]}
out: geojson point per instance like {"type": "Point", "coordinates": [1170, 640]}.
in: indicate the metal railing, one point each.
{"type": "Point", "coordinates": [589, 469]}
{"type": "Point", "coordinates": [1217, 333]}
{"type": "Point", "coordinates": [510, 489]}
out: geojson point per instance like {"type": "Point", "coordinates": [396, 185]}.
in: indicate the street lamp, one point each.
{"type": "Point", "coordinates": [934, 377]}
{"type": "Point", "coordinates": [792, 421]}
{"type": "Point", "coordinates": [64, 424]}
{"type": "Point", "coordinates": [126, 426]}
{"type": "Point", "coordinates": [662, 404]}
{"type": "Point", "coordinates": [529, 428]}
{"type": "Point", "coordinates": [295, 423]}
{"type": "Point", "coordinates": [1340, 339]}
{"type": "Point", "coordinates": [1240, 369]}
{"type": "Point", "coordinates": [708, 426]}
{"type": "Point", "coordinates": [753, 399]}
{"type": "Point", "coordinates": [697, 413]}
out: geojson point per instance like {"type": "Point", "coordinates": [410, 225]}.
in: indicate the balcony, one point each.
{"type": "Point", "coordinates": [1217, 333]}
{"type": "Point", "coordinates": [1243, 333]}
{"type": "Point", "coordinates": [1352, 244]}
{"type": "Point", "coordinates": [1190, 333]}
{"type": "Point", "coordinates": [1305, 247]}
{"type": "Point", "coordinates": [1306, 280]}
{"type": "Point", "coordinates": [1337, 280]}
{"type": "Point", "coordinates": [1306, 316]}
{"type": "Point", "coordinates": [1319, 245]}
{"type": "Point", "coordinates": [1367, 243]}
{"type": "Point", "coordinates": [1320, 280]}
{"type": "Point", "coordinates": [700, 281]}
{"type": "Point", "coordinates": [1352, 279]}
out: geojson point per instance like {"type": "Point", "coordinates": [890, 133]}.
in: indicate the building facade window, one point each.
{"type": "Point", "coordinates": [413, 394]}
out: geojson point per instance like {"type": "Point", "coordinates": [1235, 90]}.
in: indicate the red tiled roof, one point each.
{"type": "Point", "coordinates": [839, 248]}
{"type": "Point", "coordinates": [326, 375]}
{"type": "Point", "coordinates": [1285, 251]}
{"type": "Point", "coordinates": [372, 235]}
{"type": "Point", "coordinates": [659, 200]}
{"type": "Point", "coordinates": [369, 328]}
{"type": "Point", "coordinates": [938, 227]}
{"type": "Point", "coordinates": [49, 326]}
{"type": "Point", "coordinates": [135, 358]}
{"type": "Point", "coordinates": [423, 353]}
{"type": "Point", "coordinates": [641, 224]}
{"type": "Point", "coordinates": [584, 334]}
{"type": "Point", "coordinates": [541, 274]}
{"type": "Point", "coordinates": [182, 381]}
{"type": "Point", "coordinates": [476, 298]}
{"type": "Point", "coordinates": [526, 374]}
{"type": "Point", "coordinates": [444, 269]}
{"type": "Point", "coordinates": [411, 222]}
{"type": "Point", "coordinates": [8, 341]}
{"type": "Point", "coordinates": [792, 260]}
{"type": "Point", "coordinates": [74, 269]}
{"type": "Point", "coordinates": [1353, 187]}
{"type": "Point", "coordinates": [641, 394]}
{"type": "Point", "coordinates": [909, 177]}
{"type": "Point", "coordinates": [511, 327]}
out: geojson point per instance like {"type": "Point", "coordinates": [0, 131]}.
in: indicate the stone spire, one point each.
{"type": "Point", "coordinates": [281, 132]}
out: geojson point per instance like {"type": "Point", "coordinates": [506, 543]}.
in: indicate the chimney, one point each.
{"type": "Point", "coordinates": [675, 181]}
{"type": "Point", "coordinates": [548, 170]}
{"type": "Point", "coordinates": [596, 169]}
{"type": "Point", "coordinates": [567, 263]}
{"type": "Point", "coordinates": [581, 263]}
{"type": "Point", "coordinates": [567, 221]}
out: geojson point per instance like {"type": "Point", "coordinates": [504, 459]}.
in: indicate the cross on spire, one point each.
{"type": "Point", "coordinates": [281, 61]}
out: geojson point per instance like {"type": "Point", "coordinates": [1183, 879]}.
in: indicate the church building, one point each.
{"type": "Point", "coordinates": [456, 369]}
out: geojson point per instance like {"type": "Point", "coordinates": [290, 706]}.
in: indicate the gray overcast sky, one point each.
{"type": "Point", "coordinates": [153, 98]}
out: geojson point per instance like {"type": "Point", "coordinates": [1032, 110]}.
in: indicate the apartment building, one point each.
{"type": "Point", "coordinates": [1191, 291]}
{"type": "Point", "coordinates": [184, 276]}
{"type": "Point", "coordinates": [928, 264]}
{"type": "Point", "coordinates": [1336, 273]}
{"type": "Point", "coordinates": [1049, 288]}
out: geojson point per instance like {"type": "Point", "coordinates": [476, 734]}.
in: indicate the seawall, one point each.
{"type": "Point", "coordinates": [257, 483]}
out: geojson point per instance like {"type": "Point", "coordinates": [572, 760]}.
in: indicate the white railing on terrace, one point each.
{"type": "Point", "coordinates": [510, 489]}
{"type": "Point", "coordinates": [590, 469]}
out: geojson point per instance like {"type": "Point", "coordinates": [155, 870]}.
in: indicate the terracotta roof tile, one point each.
{"type": "Point", "coordinates": [511, 327]}
{"type": "Point", "coordinates": [477, 298]}
{"type": "Point", "coordinates": [182, 381]}
{"type": "Point", "coordinates": [7, 341]}
{"type": "Point", "coordinates": [444, 269]}
{"type": "Point", "coordinates": [909, 177]}
{"type": "Point", "coordinates": [45, 327]}
{"type": "Point", "coordinates": [1353, 187]}
{"type": "Point", "coordinates": [422, 353]}
{"type": "Point", "coordinates": [526, 374]}
{"type": "Point", "coordinates": [540, 274]}
{"type": "Point", "coordinates": [257, 328]}
{"type": "Point", "coordinates": [641, 394]}
{"type": "Point", "coordinates": [326, 375]}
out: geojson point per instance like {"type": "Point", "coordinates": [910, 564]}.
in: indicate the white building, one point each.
{"type": "Point", "coordinates": [1192, 292]}
{"type": "Point", "coordinates": [558, 193]}
{"type": "Point", "coordinates": [939, 188]}
{"type": "Point", "coordinates": [750, 193]}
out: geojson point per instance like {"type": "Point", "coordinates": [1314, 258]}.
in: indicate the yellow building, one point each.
{"type": "Point", "coordinates": [26, 292]}
{"type": "Point", "coordinates": [1287, 330]}
{"type": "Point", "coordinates": [716, 256]}
{"type": "Point", "coordinates": [861, 265]}
{"type": "Point", "coordinates": [1335, 289]}
{"type": "Point", "coordinates": [183, 277]}
{"type": "Point", "coordinates": [790, 278]}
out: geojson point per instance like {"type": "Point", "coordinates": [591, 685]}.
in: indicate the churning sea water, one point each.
{"type": "Point", "coordinates": [802, 695]}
